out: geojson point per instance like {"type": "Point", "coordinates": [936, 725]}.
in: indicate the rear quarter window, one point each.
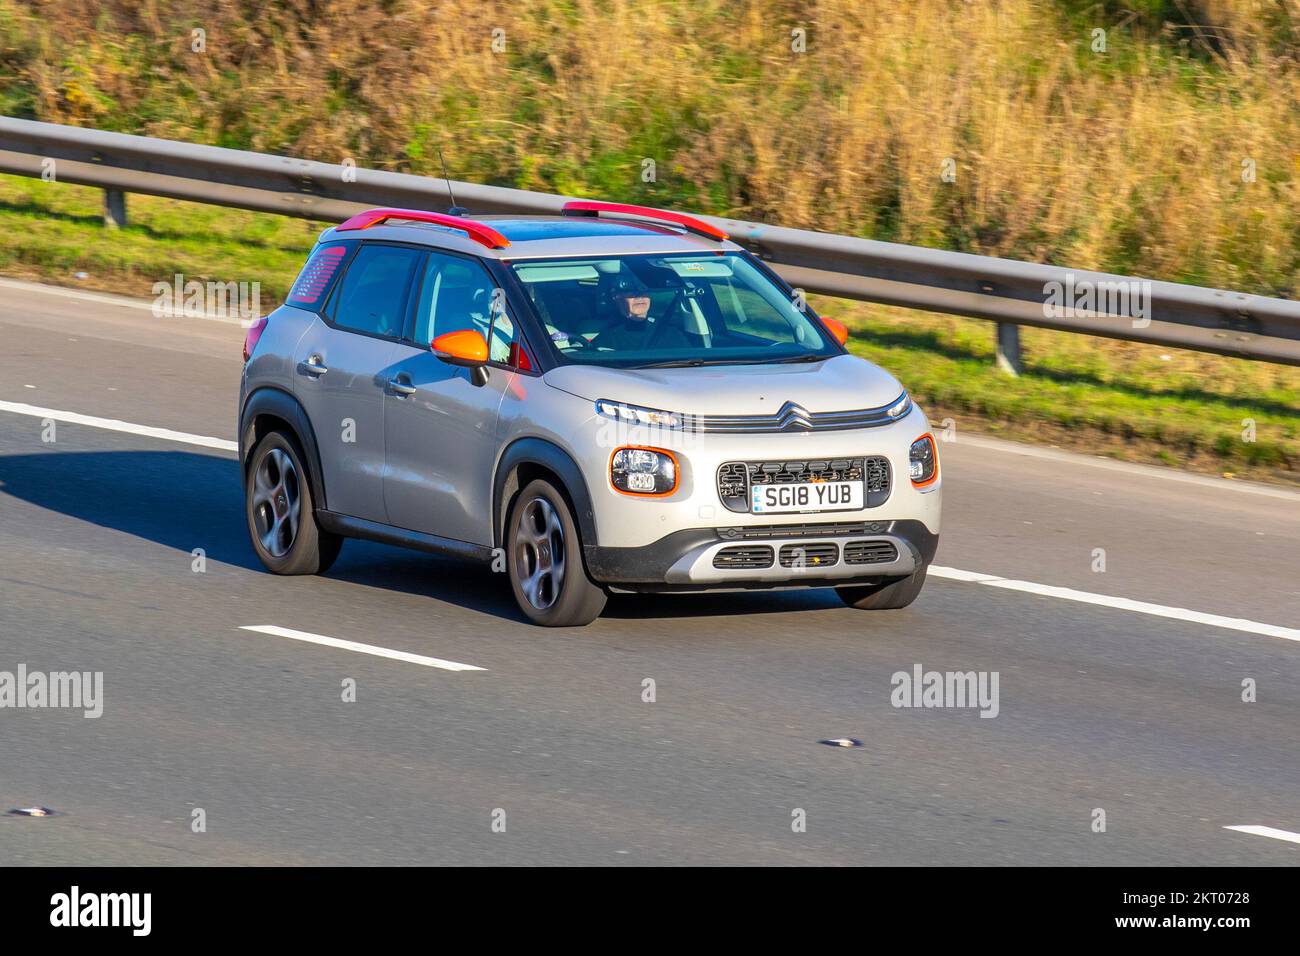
{"type": "Point", "coordinates": [313, 283]}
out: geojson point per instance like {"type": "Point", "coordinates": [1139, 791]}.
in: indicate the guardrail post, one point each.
{"type": "Point", "coordinates": [114, 208]}
{"type": "Point", "coordinates": [1008, 357]}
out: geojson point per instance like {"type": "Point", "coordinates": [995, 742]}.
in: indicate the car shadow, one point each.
{"type": "Point", "coordinates": [186, 500]}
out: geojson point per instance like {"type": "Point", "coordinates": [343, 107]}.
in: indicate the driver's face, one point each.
{"type": "Point", "coordinates": [634, 306]}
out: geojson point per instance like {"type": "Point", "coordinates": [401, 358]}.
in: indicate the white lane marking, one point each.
{"type": "Point", "coordinates": [953, 574]}
{"type": "Point", "coordinates": [1127, 467]}
{"type": "Point", "coordinates": [1273, 832]}
{"type": "Point", "coordinates": [360, 648]}
{"type": "Point", "coordinates": [1119, 603]}
{"type": "Point", "coordinates": [104, 298]}
{"type": "Point", "coordinates": [114, 425]}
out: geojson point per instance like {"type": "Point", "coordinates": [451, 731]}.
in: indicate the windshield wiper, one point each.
{"type": "Point", "coordinates": [800, 358]}
{"type": "Point", "coordinates": [674, 363]}
{"type": "Point", "coordinates": [696, 362]}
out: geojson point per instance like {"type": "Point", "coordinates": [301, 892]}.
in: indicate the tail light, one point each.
{"type": "Point", "coordinates": [254, 334]}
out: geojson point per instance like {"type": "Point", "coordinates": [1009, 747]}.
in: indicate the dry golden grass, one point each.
{"type": "Point", "coordinates": [1129, 160]}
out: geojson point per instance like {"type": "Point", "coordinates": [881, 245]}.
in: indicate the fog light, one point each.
{"type": "Point", "coordinates": [643, 471]}
{"type": "Point", "coordinates": [923, 461]}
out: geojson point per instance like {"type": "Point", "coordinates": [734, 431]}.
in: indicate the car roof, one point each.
{"type": "Point", "coordinates": [540, 237]}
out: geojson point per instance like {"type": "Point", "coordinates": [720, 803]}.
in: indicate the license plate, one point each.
{"type": "Point", "coordinates": [806, 496]}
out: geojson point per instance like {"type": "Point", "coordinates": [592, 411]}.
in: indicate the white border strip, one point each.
{"type": "Point", "coordinates": [371, 649]}
{"type": "Point", "coordinates": [1273, 832]}
{"type": "Point", "coordinates": [1119, 603]}
{"type": "Point", "coordinates": [114, 425]}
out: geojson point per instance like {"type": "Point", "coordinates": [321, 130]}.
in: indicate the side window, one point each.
{"type": "Point", "coordinates": [373, 295]}
{"type": "Point", "coordinates": [313, 282]}
{"type": "Point", "coordinates": [458, 293]}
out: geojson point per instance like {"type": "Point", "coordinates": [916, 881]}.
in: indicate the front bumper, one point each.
{"type": "Point", "coordinates": [808, 555]}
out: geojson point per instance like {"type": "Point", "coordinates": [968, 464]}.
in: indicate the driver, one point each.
{"type": "Point", "coordinates": [634, 330]}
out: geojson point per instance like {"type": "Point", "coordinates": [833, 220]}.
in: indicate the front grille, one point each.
{"type": "Point", "coordinates": [870, 552]}
{"type": "Point", "coordinates": [794, 418]}
{"type": "Point", "coordinates": [812, 555]}
{"type": "Point", "coordinates": [743, 556]}
{"type": "Point", "coordinates": [735, 478]}
{"type": "Point", "coordinates": [733, 486]}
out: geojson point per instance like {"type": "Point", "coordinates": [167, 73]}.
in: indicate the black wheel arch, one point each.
{"type": "Point", "coordinates": [268, 408]}
{"type": "Point", "coordinates": [529, 458]}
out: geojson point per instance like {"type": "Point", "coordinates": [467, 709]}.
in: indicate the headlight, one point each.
{"type": "Point", "coordinates": [636, 415]}
{"type": "Point", "coordinates": [643, 471]}
{"type": "Point", "coordinates": [923, 458]}
{"type": "Point", "coordinates": [900, 407]}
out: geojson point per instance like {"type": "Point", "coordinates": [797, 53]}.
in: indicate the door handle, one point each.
{"type": "Point", "coordinates": [314, 367]}
{"type": "Point", "coordinates": [401, 386]}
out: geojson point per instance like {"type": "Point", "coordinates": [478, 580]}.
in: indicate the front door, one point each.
{"type": "Point", "coordinates": [440, 424]}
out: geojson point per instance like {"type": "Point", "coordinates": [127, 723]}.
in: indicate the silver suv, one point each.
{"type": "Point", "coordinates": [615, 399]}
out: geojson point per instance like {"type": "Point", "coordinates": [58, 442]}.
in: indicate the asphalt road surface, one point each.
{"type": "Point", "coordinates": [1135, 710]}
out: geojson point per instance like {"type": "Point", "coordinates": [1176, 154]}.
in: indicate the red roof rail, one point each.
{"type": "Point", "coordinates": [592, 207]}
{"type": "Point", "coordinates": [478, 231]}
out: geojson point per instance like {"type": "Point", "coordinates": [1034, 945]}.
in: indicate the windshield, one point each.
{"type": "Point", "coordinates": [661, 311]}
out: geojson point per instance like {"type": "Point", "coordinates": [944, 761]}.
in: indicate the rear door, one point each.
{"type": "Point", "coordinates": [441, 425]}
{"type": "Point", "coordinates": [341, 368]}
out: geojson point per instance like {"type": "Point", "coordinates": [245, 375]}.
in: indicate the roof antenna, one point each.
{"type": "Point", "coordinates": [453, 209]}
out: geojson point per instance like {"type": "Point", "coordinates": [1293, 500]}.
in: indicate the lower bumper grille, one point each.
{"type": "Point", "coordinates": [811, 555]}
{"type": "Point", "coordinates": [743, 557]}
{"type": "Point", "coordinates": [870, 552]}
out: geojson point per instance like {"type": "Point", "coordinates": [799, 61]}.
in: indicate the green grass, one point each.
{"type": "Point", "coordinates": [54, 230]}
{"type": "Point", "coordinates": [1127, 400]}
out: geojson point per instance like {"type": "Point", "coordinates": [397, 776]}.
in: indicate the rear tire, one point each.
{"type": "Point", "coordinates": [544, 559]}
{"type": "Point", "coordinates": [886, 596]}
{"type": "Point", "coordinates": [281, 513]}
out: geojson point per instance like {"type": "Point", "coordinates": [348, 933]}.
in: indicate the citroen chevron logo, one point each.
{"type": "Point", "coordinates": [792, 416]}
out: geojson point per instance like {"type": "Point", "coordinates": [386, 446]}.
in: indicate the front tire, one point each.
{"type": "Point", "coordinates": [545, 560]}
{"type": "Point", "coordinates": [885, 596]}
{"type": "Point", "coordinates": [280, 511]}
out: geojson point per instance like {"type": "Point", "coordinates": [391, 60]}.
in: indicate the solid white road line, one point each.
{"type": "Point", "coordinates": [1126, 467]}
{"type": "Point", "coordinates": [114, 425]}
{"type": "Point", "coordinates": [371, 649]}
{"type": "Point", "coordinates": [1273, 832]}
{"type": "Point", "coordinates": [1119, 603]}
{"type": "Point", "coordinates": [952, 574]}
{"type": "Point", "coordinates": [105, 298]}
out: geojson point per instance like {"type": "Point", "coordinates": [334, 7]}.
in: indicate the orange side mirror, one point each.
{"type": "Point", "coordinates": [465, 347]}
{"type": "Point", "coordinates": [837, 329]}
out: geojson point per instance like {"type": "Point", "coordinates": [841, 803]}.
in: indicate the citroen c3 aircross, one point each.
{"type": "Point", "coordinates": [616, 399]}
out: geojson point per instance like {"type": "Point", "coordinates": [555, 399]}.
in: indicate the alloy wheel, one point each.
{"type": "Point", "coordinates": [276, 502]}
{"type": "Point", "coordinates": [539, 553]}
